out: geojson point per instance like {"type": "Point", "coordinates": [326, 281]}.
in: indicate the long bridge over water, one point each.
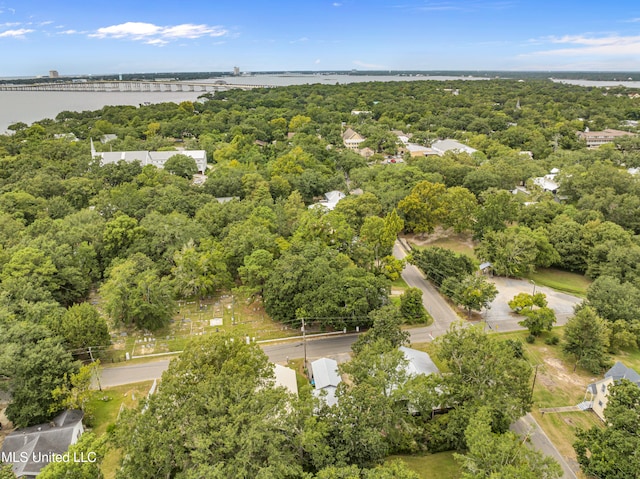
{"type": "Point", "coordinates": [128, 86]}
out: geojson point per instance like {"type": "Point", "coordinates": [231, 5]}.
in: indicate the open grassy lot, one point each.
{"type": "Point", "coordinates": [106, 405]}
{"type": "Point", "coordinates": [556, 385]}
{"type": "Point", "coordinates": [431, 466]}
{"type": "Point", "coordinates": [458, 242]}
{"type": "Point", "coordinates": [225, 313]}
{"type": "Point", "coordinates": [565, 281]}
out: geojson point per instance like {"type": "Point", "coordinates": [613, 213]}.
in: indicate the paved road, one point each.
{"type": "Point", "coordinates": [437, 306]}
{"type": "Point", "coordinates": [527, 425]}
{"type": "Point", "coordinates": [338, 347]}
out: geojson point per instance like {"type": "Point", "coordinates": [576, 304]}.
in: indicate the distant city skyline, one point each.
{"type": "Point", "coordinates": [75, 38]}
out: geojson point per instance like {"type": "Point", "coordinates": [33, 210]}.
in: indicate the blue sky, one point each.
{"type": "Point", "coordinates": [118, 36]}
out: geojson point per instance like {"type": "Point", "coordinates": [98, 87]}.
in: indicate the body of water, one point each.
{"type": "Point", "coordinates": [30, 106]}
{"type": "Point", "coordinates": [599, 83]}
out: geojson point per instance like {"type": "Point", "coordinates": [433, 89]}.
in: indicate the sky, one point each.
{"type": "Point", "coordinates": [117, 36]}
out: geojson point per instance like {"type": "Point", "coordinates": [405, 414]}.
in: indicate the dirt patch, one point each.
{"type": "Point", "coordinates": [558, 370]}
{"type": "Point", "coordinates": [441, 234]}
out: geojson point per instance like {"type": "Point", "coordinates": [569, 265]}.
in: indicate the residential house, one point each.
{"type": "Point", "coordinates": [352, 139]}
{"type": "Point", "coordinates": [331, 200]}
{"type": "Point", "coordinates": [418, 362]}
{"type": "Point", "coordinates": [548, 182]}
{"type": "Point", "coordinates": [598, 392]}
{"type": "Point", "coordinates": [325, 379]}
{"type": "Point", "coordinates": [155, 158]}
{"type": "Point", "coordinates": [594, 139]}
{"type": "Point", "coordinates": [28, 450]}
{"type": "Point", "coordinates": [442, 146]}
{"type": "Point", "coordinates": [286, 378]}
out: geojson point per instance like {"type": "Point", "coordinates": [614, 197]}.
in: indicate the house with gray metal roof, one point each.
{"type": "Point", "coordinates": [28, 450]}
{"type": "Point", "coordinates": [598, 392]}
{"type": "Point", "coordinates": [325, 379]}
{"type": "Point", "coordinates": [155, 158]}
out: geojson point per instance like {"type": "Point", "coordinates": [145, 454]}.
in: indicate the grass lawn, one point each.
{"type": "Point", "coordinates": [556, 385]}
{"type": "Point", "coordinates": [454, 243]}
{"type": "Point", "coordinates": [432, 466]}
{"type": "Point", "coordinates": [106, 404]}
{"type": "Point", "coordinates": [572, 283]}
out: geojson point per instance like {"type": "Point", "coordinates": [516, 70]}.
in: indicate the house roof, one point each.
{"type": "Point", "coordinates": [443, 146]}
{"type": "Point", "coordinates": [350, 134]}
{"type": "Point", "coordinates": [36, 443]}
{"type": "Point", "coordinates": [331, 199]}
{"type": "Point", "coordinates": [325, 373]}
{"type": "Point", "coordinates": [546, 182]}
{"type": "Point", "coordinates": [419, 362]}
{"type": "Point", "coordinates": [620, 371]}
{"type": "Point", "coordinates": [286, 377]}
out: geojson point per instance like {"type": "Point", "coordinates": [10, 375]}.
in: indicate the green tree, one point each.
{"type": "Point", "coordinates": [6, 471]}
{"type": "Point", "coordinates": [462, 207]}
{"type": "Point", "coordinates": [438, 264]}
{"type": "Point", "coordinates": [35, 364]}
{"type": "Point", "coordinates": [386, 323]}
{"type": "Point", "coordinates": [526, 301]}
{"type": "Point", "coordinates": [498, 207]}
{"type": "Point", "coordinates": [513, 252]}
{"type": "Point", "coordinates": [586, 338]}
{"type": "Point", "coordinates": [256, 270]}
{"type": "Point", "coordinates": [613, 299]}
{"type": "Point", "coordinates": [90, 448]}
{"type": "Point", "coordinates": [215, 414]}
{"type": "Point", "coordinates": [425, 207]}
{"type": "Point", "coordinates": [411, 306]}
{"type": "Point", "coordinates": [484, 372]}
{"type": "Point", "coordinates": [82, 327]}
{"type": "Point", "coordinates": [200, 271]}
{"type": "Point", "coordinates": [473, 292]}
{"type": "Point", "coordinates": [612, 452]}
{"type": "Point", "coordinates": [538, 320]}
{"type": "Point", "coordinates": [501, 456]}
{"type": "Point", "coordinates": [134, 294]}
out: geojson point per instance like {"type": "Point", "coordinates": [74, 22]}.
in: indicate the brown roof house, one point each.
{"type": "Point", "coordinates": [28, 450]}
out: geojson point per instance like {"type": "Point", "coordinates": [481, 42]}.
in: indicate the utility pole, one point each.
{"type": "Point", "coordinates": [95, 370]}
{"type": "Point", "coordinates": [304, 342]}
{"type": "Point", "coordinates": [535, 375]}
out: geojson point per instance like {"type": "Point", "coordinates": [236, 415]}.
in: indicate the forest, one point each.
{"type": "Point", "coordinates": [86, 249]}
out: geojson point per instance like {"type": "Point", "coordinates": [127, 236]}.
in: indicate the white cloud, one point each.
{"type": "Point", "coordinates": [317, 62]}
{"type": "Point", "coordinates": [21, 32]}
{"type": "Point", "coordinates": [614, 45]}
{"type": "Point", "coordinates": [300, 40]}
{"type": "Point", "coordinates": [68, 32]}
{"type": "Point", "coordinates": [157, 35]}
{"type": "Point", "coordinates": [336, 4]}
{"type": "Point", "coordinates": [368, 65]}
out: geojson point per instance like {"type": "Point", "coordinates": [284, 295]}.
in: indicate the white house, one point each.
{"type": "Point", "coordinates": [332, 198]}
{"type": "Point", "coordinates": [442, 146]}
{"type": "Point", "coordinates": [155, 158]}
{"type": "Point", "coordinates": [597, 394]}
